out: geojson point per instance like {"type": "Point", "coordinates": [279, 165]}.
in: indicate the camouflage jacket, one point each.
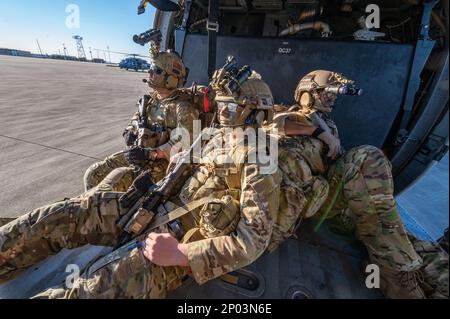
{"type": "Point", "coordinates": [312, 149]}
{"type": "Point", "coordinates": [237, 231]}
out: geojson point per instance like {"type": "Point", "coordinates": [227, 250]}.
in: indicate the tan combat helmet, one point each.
{"type": "Point", "coordinates": [167, 70]}
{"type": "Point", "coordinates": [251, 104]}
{"type": "Point", "coordinates": [320, 88]}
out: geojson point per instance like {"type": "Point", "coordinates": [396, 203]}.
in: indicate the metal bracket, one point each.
{"type": "Point", "coordinates": [212, 26]}
{"type": "Point", "coordinates": [423, 49]}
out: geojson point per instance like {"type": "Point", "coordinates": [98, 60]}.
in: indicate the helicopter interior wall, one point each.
{"type": "Point", "coordinates": [381, 69]}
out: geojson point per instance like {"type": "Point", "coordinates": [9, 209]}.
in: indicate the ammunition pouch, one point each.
{"type": "Point", "coordinates": [220, 217]}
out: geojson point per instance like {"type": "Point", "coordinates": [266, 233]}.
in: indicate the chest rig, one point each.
{"type": "Point", "coordinates": [218, 177]}
{"type": "Point", "coordinates": [156, 131]}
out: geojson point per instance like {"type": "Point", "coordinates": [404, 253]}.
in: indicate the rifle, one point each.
{"type": "Point", "coordinates": [142, 207]}
{"type": "Point", "coordinates": [143, 126]}
{"type": "Point", "coordinates": [144, 131]}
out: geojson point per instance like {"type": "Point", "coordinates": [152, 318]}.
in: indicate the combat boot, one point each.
{"type": "Point", "coordinates": [401, 284]}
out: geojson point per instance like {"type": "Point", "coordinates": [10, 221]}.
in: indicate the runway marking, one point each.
{"type": "Point", "coordinates": [50, 147]}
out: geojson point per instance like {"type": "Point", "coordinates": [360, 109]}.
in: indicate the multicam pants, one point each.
{"type": "Point", "coordinates": [88, 219]}
{"type": "Point", "coordinates": [122, 274]}
{"type": "Point", "coordinates": [98, 171]}
{"type": "Point", "coordinates": [363, 177]}
{"type": "Point", "coordinates": [434, 269]}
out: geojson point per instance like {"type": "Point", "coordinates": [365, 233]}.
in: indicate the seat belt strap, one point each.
{"type": "Point", "coordinates": [212, 26]}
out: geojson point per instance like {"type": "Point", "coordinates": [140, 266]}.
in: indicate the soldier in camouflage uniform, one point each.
{"type": "Point", "coordinates": [169, 107]}
{"type": "Point", "coordinates": [230, 228]}
{"type": "Point", "coordinates": [359, 189]}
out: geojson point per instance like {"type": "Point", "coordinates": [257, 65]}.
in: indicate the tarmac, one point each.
{"type": "Point", "coordinates": [56, 119]}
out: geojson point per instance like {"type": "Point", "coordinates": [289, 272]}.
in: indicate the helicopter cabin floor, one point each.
{"type": "Point", "coordinates": [317, 265]}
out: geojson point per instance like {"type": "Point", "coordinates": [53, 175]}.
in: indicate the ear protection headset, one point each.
{"type": "Point", "coordinates": [171, 82]}
{"type": "Point", "coordinates": [303, 96]}
{"type": "Point", "coordinates": [306, 100]}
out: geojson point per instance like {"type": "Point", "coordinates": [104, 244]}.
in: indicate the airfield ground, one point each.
{"type": "Point", "coordinates": [56, 119]}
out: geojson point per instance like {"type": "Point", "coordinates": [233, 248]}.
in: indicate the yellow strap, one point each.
{"type": "Point", "coordinates": [190, 233]}
{"type": "Point", "coordinates": [179, 212]}
{"type": "Point", "coordinates": [230, 279]}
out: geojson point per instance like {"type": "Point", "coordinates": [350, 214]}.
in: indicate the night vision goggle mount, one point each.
{"type": "Point", "coordinates": [343, 86]}
{"type": "Point", "coordinates": [230, 78]}
{"type": "Point", "coordinates": [152, 35]}
{"type": "Point", "coordinates": [344, 89]}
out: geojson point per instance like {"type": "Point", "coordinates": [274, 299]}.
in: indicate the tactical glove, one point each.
{"type": "Point", "coordinates": [333, 143]}
{"type": "Point", "coordinates": [130, 138]}
{"type": "Point", "coordinates": [137, 155]}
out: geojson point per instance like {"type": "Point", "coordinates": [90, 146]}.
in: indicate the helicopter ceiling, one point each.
{"type": "Point", "coordinates": [163, 5]}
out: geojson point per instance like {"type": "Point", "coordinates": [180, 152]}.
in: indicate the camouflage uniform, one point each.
{"type": "Point", "coordinates": [435, 268]}
{"type": "Point", "coordinates": [361, 180]}
{"type": "Point", "coordinates": [177, 110]}
{"type": "Point", "coordinates": [89, 218]}
{"type": "Point", "coordinates": [232, 231]}
{"type": "Point", "coordinates": [360, 193]}
{"type": "Point", "coordinates": [368, 190]}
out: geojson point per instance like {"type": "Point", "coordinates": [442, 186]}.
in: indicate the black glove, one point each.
{"type": "Point", "coordinates": [139, 187]}
{"type": "Point", "coordinates": [143, 182]}
{"type": "Point", "coordinates": [137, 155]}
{"type": "Point", "coordinates": [129, 137]}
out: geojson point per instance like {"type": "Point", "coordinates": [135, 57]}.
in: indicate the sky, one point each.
{"type": "Point", "coordinates": [102, 23]}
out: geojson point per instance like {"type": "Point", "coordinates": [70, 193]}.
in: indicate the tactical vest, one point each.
{"type": "Point", "coordinates": [221, 181]}
{"type": "Point", "coordinates": [158, 132]}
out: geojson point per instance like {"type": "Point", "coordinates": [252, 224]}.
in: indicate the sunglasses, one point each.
{"type": "Point", "coordinates": [155, 69]}
{"type": "Point", "coordinates": [232, 107]}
